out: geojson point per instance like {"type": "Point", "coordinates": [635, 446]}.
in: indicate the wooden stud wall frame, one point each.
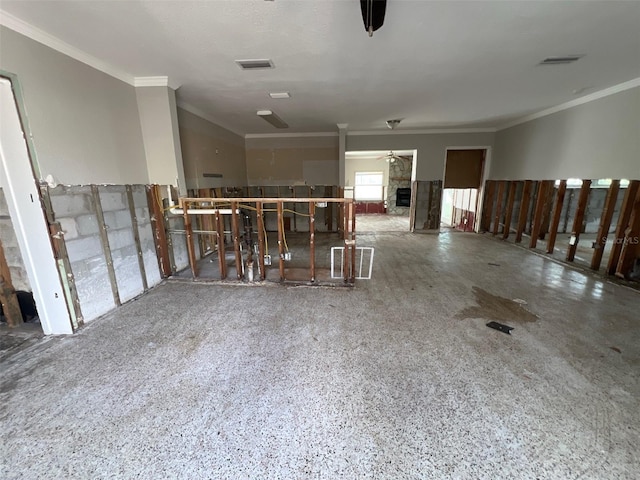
{"type": "Point", "coordinates": [218, 207]}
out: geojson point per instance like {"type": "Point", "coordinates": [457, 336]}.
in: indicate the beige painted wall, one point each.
{"type": "Point", "coordinates": [600, 139]}
{"type": "Point", "coordinates": [209, 148]}
{"type": "Point", "coordinates": [84, 123]}
{"type": "Point", "coordinates": [292, 160]}
{"type": "Point", "coordinates": [158, 118]}
{"type": "Point", "coordinates": [365, 164]}
{"type": "Point", "coordinates": [431, 147]}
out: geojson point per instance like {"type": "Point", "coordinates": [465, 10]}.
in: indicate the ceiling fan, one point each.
{"type": "Point", "coordinates": [392, 157]}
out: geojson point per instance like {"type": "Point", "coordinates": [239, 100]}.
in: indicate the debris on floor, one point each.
{"type": "Point", "coordinates": [499, 326]}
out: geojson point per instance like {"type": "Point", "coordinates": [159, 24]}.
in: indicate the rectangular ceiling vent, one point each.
{"type": "Point", "coordinates": [255, 64]}
{"type": "Point", "coordinates": [561, 60]}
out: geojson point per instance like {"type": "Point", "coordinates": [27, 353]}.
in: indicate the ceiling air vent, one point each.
{"type": "Point", "coordinates": [254, 64]}
{"type": "Point", "coordinates": [561, 60]}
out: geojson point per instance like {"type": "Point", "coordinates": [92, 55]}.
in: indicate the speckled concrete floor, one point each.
{"type": "Point", "coordinates": [398, 378]}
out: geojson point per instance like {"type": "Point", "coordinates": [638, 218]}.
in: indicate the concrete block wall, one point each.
{"type": "Point", "coordinates": [74, 207]}
{"type": "Point", "coordinates": [12, 252]}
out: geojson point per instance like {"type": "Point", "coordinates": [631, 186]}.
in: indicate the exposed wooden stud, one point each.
{"type": "Point", "coordinates": [605, 223]}
{"type": "Point", "coordinates": [280, 240]}
{"type": "Point", "coordinates": [191, 251]}
{"type": "Point", "coordinates": [156, 215]}
{"type": "Point", "coordinates": [8, 298]}
{"type": "Point", "coordinates": [623, 222]}
{"type": "Point", "coordinates": [340, 211]}
{"type": "Point", "coordinates": [631, 243]}
{"type": "Point", "coordinates": [236, 238]}
{"type": "Point", "coordinates": [499, 199]}
{"type": "Point", "coordinates": [555, 215]}
{"type": "Point", "coordinates": [261, 240]}
{"type": "Point", "coordinates": [538, 216]}
{"type": "Point", "coordinates": [222, 261]}
{"type": "Point", "coordinates": [352, 219]}
{"type": "Point", "coordinates": [61, 255]}
{"type": "Point", "coordinates": [509, 209]}
{"type": "Point", "coordinates": [524, 209]}
{"type": "Point", "coordinates": [487, 205]}
{"type": "Point", "coordinates": [312, 240]}
{"type": "Point", "coordinates": [136, 237]}
{"type": "Point", "coordinates": [412, 206]}
{"type": "Point", "coordinates": [578, 220]}
{"type": "Point", "coordinates": [104, 240]}
{"type": "Point", "coordinates": [546, 215]}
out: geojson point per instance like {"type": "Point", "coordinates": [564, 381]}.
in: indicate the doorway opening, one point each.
{"type": "Point", "coordinates": [380, 183]}
{"type": "Point", "coordinates": [462, 181]}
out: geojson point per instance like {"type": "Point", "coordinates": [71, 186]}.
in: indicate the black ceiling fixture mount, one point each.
{"type": "Point", "coordinates": [373, 14]}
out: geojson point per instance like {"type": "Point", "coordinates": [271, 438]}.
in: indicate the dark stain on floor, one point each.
{"type": "Point", "coordinates": [500, 309]}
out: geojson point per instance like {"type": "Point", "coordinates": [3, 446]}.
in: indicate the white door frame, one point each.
{"type": "Point", "coordinates": [23, 199]}
{"type": "Point", "coordinates": [486, 167]}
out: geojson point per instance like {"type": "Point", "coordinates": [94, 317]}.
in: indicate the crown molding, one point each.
{"type": "Point", "coordinates": [199, 113]}
{"type": "Point", "coordinates": [17, 25]}
{"type": "Point", "coordinates": [291, 135]}
{"type": "Point", "coordinates": [151, 82]}
{"type": "Point", "coordinates": [433, 131]}
{"type": "Point", "coordinates": [574, 103]}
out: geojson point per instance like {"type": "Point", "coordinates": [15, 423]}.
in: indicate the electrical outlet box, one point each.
{"type": "Point", "coordinates": [267, 259]}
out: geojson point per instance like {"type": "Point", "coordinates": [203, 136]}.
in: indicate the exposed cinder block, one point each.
{"type": "Point", "coordinates": [70, 205]}
{"type": "Point", "coordinates": [4, 208]}
{"type": "Point", "coordinates": [94, 288]}
{"type": "Point", "coordinates": [120, 239]}
{"type": "Point", "coordinates": [111, 201]}
{"type": "Point", "coordinates": [83, 248]}
{"type": "Point", "coordinates": [87, 225]}
{"type": "Point", "coordinates": [117, 219]}
{"type": "Point", "coordinates": [69, 228]}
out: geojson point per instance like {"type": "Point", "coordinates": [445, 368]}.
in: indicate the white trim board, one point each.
{"type": "Point", "coordinates": [291, 135]}
{"type": "Point", "coordinates": [429, 131]}
{"type": "Point", "coordinates": [32, 232]}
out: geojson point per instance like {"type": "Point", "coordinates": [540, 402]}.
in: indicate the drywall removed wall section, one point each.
{"type": "Point", "coordinates": [101, 243]}
{"type": "Point", "coordinates": [84, 123]}
{"type": "Point", "coordinates": [11, 248]}
{"type": "Point", "coordinates": [599, 139]}
{"type": "Point", "coordinates": [298, 160]}
{"type": "Point", "coordinates": [208, 149]}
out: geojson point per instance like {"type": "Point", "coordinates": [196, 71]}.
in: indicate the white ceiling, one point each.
{"type": "Point", "coordinates": [440, 64]}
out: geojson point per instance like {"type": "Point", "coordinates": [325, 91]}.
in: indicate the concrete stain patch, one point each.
{"type": "Point", "coordinates": [494, 307]}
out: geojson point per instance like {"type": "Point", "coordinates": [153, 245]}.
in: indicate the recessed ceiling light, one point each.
{"type": "Point", "coordinates": [561, 60]}
{"type": "Point", "coordinates": [272, 118]}
{"type": "Point", "coordinates": [280, 95]}
{"type": "Point", "coordinates": [255, 64]}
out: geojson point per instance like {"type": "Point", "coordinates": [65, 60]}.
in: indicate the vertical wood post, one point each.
{"type": "Point", "coordinates": [499, 200]}
{"type": "Point", "coordinates": [261, 240]}
{"type": "Point", "coordinates": [487, 205]}
{"type": "Point", "coordinates": [222, 261]}
{"type": "Point", "coordinates": [236, 238]}
{"type": "Point", "coordinates": [623, 221]}
{"type": "Point", "coordinates": [538, 216]}
{"type": "Point", "coordinates": [555, 215]}
{"type": "Point", "coordinates": [104, 240]}
{"type": "Point", "coordinates": [578, 220]}
{"type": "Point", "coordinates": [136, 237]}
{"type": "Point", "coordinates": [524, 209]}
{"type": "Point", "coordinates": [312, 240]}
{"type": "Point", "coordinates": [190, 246]}
{"type": "Point", "coordinates": [605, 224]}
{"type": "Point", "coordinates": [509, 209]}
{"type": "Point", "coordinates": [10, 305]}
{"type": "Point", "coordinates": [279, 209]}
{"type": "Point", "coordinates": [156, 216]}
{"type": "Point", "coordinates": [631, 244]}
